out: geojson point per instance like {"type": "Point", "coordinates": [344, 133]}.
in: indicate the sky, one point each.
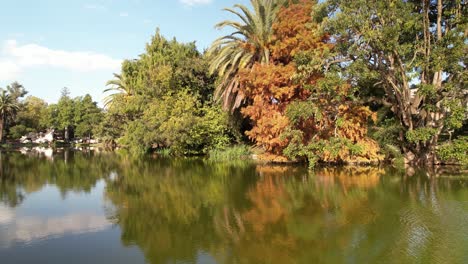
{"type": "Point", "coordinates": [49, 44]}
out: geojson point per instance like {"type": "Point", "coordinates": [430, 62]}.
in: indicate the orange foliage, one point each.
{"type": "Point", "coordinates": [266, 200]}
{"type": "Point", "coordinates": [273, 87]}
{"type": "Point", "coordinates": [294, 32]}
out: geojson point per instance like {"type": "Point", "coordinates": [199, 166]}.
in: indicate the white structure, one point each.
{"type": "Point", "coordinates": [47, 138]}
{"type": "Point", "coordinates": [47, 152]}
{"type": "Point", "coordinates": [25, 140]}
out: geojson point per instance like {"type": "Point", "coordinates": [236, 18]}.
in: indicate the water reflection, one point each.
{"type": "Point", "coordinates": [193, 211]}
{"type": "Point", "coordinates": [6, 215]}
{"type": "Point", "coordinates": [33, 228]}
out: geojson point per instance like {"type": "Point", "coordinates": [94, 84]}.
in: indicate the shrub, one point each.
{"type": "Point", "coordinates": [455, 151]}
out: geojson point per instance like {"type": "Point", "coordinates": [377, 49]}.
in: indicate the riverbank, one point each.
{"type": "Point", "coordinates": [235, 153]}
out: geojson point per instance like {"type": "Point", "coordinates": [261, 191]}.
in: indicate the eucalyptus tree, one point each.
{"type": "Point", "coordinates": [246, 45]}
{"type": "Point", "coordinates": [8, 107]}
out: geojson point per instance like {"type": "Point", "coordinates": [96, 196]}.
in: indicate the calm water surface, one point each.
{"type": "Point", "coordinates": [109, 208]}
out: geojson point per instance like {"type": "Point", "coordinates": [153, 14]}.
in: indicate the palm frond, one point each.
{"type": "Point", "coordinates": [247, 44]}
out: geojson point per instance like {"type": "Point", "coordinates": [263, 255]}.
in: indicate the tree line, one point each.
{"type": "Point", "coordinates": [22, 115]}
{"type": "Point", "coordinates": [330, 81]}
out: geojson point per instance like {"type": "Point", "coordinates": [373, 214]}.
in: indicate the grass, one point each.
{"type": "Point", "coordinates": [236, 152]}
{"type": "Point", "coordinates": [163, 152]}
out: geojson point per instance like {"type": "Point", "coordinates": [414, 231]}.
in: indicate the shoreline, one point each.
{"type": "Point", "coordinates": [256, 158]}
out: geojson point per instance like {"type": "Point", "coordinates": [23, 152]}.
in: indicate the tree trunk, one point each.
{"type": "Point", "coordinates": [67, 134]}
{"type": "Point", "coordinates": [439, 20]}
{"type": "Point", "coordinates": [2, 125]}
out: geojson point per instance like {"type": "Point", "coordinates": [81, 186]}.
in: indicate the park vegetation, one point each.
{"type": "Point", "coordinates": [336, 81]}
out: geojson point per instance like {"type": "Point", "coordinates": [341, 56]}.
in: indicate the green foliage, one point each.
{"type": "Point", "coordinates": [427, 90]}
{"type": "Point", "coordinates": [335, 149]}
{"type": "Point", "coordinates": [18, 131]}
{"type": "Point", "coordinates": [240, 50]}
{"type": "Point", "coordinates": [163, 152]}
{"type": "Point", "coordinates": [420, 134]}
{"type": "Point", "coordinates": [87, 116]}
{"type": "Point", "coordinates": [32, 116]}
{"type": "Point", "coordinates": [79, 116]}
{"type": "Point", "coordinates": [167, 66]}
{"type": "Point", "coordinates": [299, 111]}
{"type": "Point", "coordinates": [455, 151]}
{"type": "Point", "coordinates": [64, 111]}
{"type": "Point", "coordinates": [230, 153]}
{"type": "Point", "coordinates": [16, 91]}
{"type": "Point", "coordinates": [178, 122]}
{"type": "Point", "coordinates": [409, 56]}
{"type": "Point", "coordinates": [8, 108]}
{"type": "Point", "coordinates": [457, 114]}
{"type": "Point", "coordinates": [386, 133]}
{"type": "Point", "coordinates": [164, 100]}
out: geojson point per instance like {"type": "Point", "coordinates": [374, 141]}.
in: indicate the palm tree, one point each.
{"type": "Point", "coordinates": [119, 87]}
{"type": "Point", "coordinates": [8, 107]}
{"type": "Point", "coordinates": [248, 44]}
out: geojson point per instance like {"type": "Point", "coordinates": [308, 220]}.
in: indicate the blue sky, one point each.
{"type": "Point", "coordinates": [50, 44]}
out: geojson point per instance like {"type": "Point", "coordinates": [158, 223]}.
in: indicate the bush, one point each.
{"type": "Point", "coordinates": [18, 131]}
{"type": "Point", "coordinates": [386, 133]}
{"type": "Point", "coordinates": [455, 151]}
{"type": "Point", "coordinates": [178, 122]}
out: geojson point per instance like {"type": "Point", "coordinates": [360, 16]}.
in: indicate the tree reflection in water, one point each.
{"type": "Point", "coordinates": [178, 209]}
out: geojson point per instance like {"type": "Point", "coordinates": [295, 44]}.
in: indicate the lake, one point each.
{"type": "Point", "coordinates": [86, 207]}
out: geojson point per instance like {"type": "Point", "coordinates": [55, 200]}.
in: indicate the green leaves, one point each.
{"type": "Point", "coordinates": [249, 43]}
{"type": "Point", "coordinates": [302, 110]}
{"type": "Point", "coordinates": [456, 114]}
{"type": "Point", "coordinates": [396, 46]}
{"type": "Point", "coordinates": [422, 134]}
{"type": "Point", "coordinates": [179, 122]}
{"type": "Point", "coordinates": [456, 151]}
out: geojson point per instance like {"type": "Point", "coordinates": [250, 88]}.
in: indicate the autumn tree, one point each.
{"type": "Point", "coordinates": [303, 111]}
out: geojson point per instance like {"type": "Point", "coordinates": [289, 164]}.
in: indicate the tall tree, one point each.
{"type": "Point", "coordinates": [304, 112]}
{"type": "Point", "coordinates": [87, 116]}
{"type": "Point", "coordinates": [248, 44]}
{"type": "Point", "coordinates": [64, 118]}
{"type": "Point", "coordinates": [171, 102]}
{"type": "Point", "coordinates": [16, 90]}
{"type": "Point", "coordinates": [8, 107]}
{"type": "Point", "coordinates": [413, 51]}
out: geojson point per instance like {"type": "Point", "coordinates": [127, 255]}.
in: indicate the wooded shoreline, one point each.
{"type": "Point", "coordinates": [332, 82]}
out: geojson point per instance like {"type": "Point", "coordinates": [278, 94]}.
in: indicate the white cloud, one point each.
{"type": "Point", "coordinates": [124, 14]}
{"type": "Point", "coordinates": [8, 70]}
{"type": "Point", "coordinates": [93, 6]}
{"type": "Point", "coordinates": [195, 2]}
{"type": "Point", "coordinates": [15, 58]}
